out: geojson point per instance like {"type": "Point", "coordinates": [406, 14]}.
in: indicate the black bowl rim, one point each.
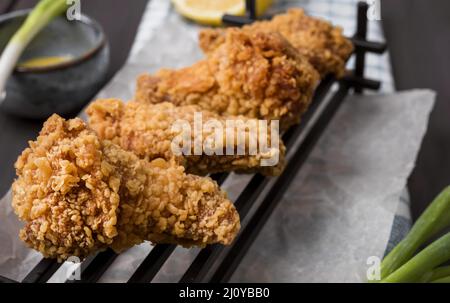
{"type": "Point", "coordinates": [66, 64]}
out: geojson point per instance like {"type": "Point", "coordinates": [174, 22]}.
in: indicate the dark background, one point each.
{"type": "Point", "coordinates": [418, 36]}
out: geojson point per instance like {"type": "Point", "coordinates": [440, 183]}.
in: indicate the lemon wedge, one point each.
{"type": "Point", "coordinates": [210, 12]}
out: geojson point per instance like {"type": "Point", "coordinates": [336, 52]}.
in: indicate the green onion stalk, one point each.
{"type": "Point", "coordinates": [433, 255]}
{"type": "Point", "coordinates": [442, 280]}
{"type": "Point", "coordinates": [436, 274]}
{"type": "Point", "coordinates": [44, 12]}
{"type": "Point", "coordinates": [398, 266]}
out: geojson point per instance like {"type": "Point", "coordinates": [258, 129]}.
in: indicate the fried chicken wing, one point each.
{"type": "Point", "coordinates": [320, 42]}
{"type": "Point", "coordinates": [148, 131]}
{"type": "Point", "coordinates": [255, 74]}
{"type": "Point", "coordinates": [79, 194]}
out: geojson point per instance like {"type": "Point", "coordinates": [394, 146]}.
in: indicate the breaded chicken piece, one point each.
{"type": "Point", "coordinates": [79, 194]}
{"type": "Point", "coordinates": [317, 40]}
{"type": "Point", "coordinates": [148, 130]}
{"type": "Point", "coordinates": [258, 75]}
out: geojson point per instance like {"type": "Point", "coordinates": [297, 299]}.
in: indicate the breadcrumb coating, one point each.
{"type": "Point", "coordinates": [319, 41]}
{"type": "Point", "coordinates": [146, 129]}
{"type": "Point", "coordinates": [79, 194]}
{"type": "Point", "coordinates": [254, 74]}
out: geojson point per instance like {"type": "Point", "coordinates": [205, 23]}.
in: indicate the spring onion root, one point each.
{"type": "Point", "coordinates": [42, 14]}
{"type": "Point", "coordinates": [435, 218]}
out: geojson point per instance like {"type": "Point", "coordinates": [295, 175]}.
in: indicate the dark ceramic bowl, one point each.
{"type": "Point", "coordinates": [38, 92]}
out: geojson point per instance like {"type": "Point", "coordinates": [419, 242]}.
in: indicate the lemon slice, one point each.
{"type": "Point", "coordinates": [210, 12]}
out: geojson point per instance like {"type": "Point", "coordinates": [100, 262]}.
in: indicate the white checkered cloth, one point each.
{"type": "Point", "coordinates": [339, 12]}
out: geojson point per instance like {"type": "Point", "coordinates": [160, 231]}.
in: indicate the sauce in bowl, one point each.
{"type": "Point", "coordinates": [44, 61]}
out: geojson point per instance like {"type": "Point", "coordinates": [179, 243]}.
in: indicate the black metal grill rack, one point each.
{"type": "Point", "coordinates": [216, 263]}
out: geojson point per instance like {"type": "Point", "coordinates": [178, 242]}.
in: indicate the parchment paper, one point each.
{"type": "Point", "coordinates": [338, 211]}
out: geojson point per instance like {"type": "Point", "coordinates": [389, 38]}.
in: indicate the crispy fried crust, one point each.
{"type": "Point", "coordinates": [320, 42]}
{"type": "Point", "coordinates": [258, 75]}
{"type": "Point", "coordinates": [146, 129]}
{"type": "Point", "coordinates": [78, 194]}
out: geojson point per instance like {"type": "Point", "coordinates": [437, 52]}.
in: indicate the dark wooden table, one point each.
{"type": "Point", "coordinates": [418, 34]}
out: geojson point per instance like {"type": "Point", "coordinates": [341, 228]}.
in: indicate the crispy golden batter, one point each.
{"type": "Point", "coordinates": [78, 194]}
{"type": "Point", "coordinates": [146, 129]}
{"type": "Point", "coordinates": [321, 43]}
{"type": "Point", "coordinates": [258, 75]}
